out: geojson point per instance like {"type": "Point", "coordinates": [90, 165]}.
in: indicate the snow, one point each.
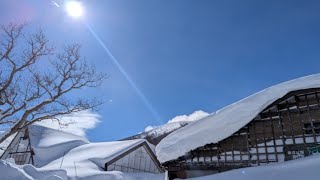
{"type": "Point", "coordinates": [304, 168]}
{"type": "Point", "coordinates": [90, 158]}
{"type": "Point", "coordinates": [228, 120]}
{"type": "Point", "coordinates": [61, 155]}
{"type": "Point", "coordinates": [44, 140]}
{"type": "Point", "coordinates": [196, 115]}
{"type": "Point", "coordinates": [166, 128]}
{"type": "Point", "coordinates": [79, 158]}
{"type": "Point", "coordinates": [4, 145]}
{"type": "Point", "coordinates": [174, 123]}
{"type": "Point", "coordinates": [9, 170]}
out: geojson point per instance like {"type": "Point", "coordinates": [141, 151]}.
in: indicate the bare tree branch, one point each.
{"type": "Point", "coordinates": [32, 88]}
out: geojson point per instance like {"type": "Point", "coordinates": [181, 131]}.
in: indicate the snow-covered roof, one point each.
{"type": "Point", "coordinates": [44, 140]}
{"type": "Point", "coordinates": [55, 149]}
{"type": "Point", "coordinates": [228, 120]}
{"type": "Point", "coordinates": [90, 158]}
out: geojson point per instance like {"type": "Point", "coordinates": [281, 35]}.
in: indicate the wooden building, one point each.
{"type": "Point", "coordinates": [137, 158]}
{"type": "Point", "coordinates": [286, 129]}
{"type": "Point", "coordinates": [126, 156]}
{"type": "Point", "coordinates": [18, 147]}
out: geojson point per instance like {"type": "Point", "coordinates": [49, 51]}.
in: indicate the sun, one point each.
{"type": "Point", "coordinates": [74, 9]}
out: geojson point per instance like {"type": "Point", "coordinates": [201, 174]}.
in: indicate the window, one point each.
{"type": "Point", "coordinates": [137, 161]}
{"type": "Point", "coordinates": [20, 159]}
{"type": "Point", "coordinates": [313, 125]}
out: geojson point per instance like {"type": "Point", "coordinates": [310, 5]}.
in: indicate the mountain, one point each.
{"type": "Point", "coordinates": [155, 135]}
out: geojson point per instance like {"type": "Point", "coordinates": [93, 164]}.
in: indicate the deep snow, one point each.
{"type": "Point", "coordinates": [10, 171]}
{"type": "Point", "coordinates": [304, 168]}
{"type": "Point", "coordinates": [61, 155]}
{"type": "Point", "coordinates": [228, 120]}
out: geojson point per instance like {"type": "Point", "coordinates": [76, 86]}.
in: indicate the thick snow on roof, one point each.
{"type": "Point", "coordinates": [228, 120]}
{"type": "Point", "coordinates": [44, 140]}
{"type": "Point", "coordinates": [90, 158]}
{"type": "Point", "coordinates": [77, 157]}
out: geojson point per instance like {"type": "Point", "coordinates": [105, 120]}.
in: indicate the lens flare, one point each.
{"type": "Point", "coordinates": [126, 75]}
{"type": "Point", "coordinates": [74, 9]}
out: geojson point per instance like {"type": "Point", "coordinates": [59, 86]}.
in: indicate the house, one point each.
{"type": "Point", "coordinates": [131, 156]}
{"type": "Point", "coordinates": [137, 158]}
{"type": "Point", "coordinates": [280, 123]}
{"type": "Point", "coordinates": [48, 149]}
{"type": "Point", "coordinates": [18, 147]}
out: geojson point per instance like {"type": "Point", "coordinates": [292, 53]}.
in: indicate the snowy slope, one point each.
{"type": "Point", "coordinates": [228, 120]}
{"type": "Point", "coordinates": [156, 134]}
{"type": "Point", "coordinates": [305, 168]}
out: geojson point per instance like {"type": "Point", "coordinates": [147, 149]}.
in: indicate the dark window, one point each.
{"type": "Point", "coordinates": [313, 125]}
{"type": "Point", "coordinates": [20, 159]}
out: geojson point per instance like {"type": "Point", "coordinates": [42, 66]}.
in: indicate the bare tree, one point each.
{"type": "Point", "coordinates": [35, 80]}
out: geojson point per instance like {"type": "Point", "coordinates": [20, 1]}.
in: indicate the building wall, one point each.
{"type": "Point", "coordinates": [288, 129]}
{"type": "Point", "coordinates": [19, 149]}
{"type": "Point", "coordinates": [138, 160]}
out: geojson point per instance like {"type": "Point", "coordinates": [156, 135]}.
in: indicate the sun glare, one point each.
{"type": "Point", "coordinates": [74, 8]}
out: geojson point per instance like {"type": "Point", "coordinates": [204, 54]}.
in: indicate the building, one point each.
{"type": "Point", "coordinates": [18, 147]}
{"type": "Point", "coordinates": [137, 158]}
{"type": "Point", "coordinates": [66, 151]}
{"type": "Point", "coordinates": [277, 124]}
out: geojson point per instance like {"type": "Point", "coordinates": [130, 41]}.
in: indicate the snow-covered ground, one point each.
{"type": "Point", "coordinates": [228, 120]}
{"type": "Point", "coordinates": [304, 168]}
{"type": "Point", "coordinates": [10, 171]}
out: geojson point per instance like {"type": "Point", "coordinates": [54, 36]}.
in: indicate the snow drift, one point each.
{"type": "Point", "coordinates": [228, 120]}
{"type": "Point", "coordinates": [9, 171]}
{"type": "Point", "coordinates": [305, 168]}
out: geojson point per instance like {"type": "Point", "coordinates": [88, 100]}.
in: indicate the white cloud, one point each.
{"type": "Point", "coordinates": [196, 115]}
{"type": "Point", "coordinates": [78, 123]}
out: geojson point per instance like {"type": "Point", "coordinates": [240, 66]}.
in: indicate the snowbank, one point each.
{"type": "Point", "coordinates": [305, 168]}
{"type": "Point", "coordinates": [11, 171]}
{"type": "Point", "coordinates": [228, 120]}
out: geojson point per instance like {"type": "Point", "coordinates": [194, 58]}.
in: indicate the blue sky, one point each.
{"type": "Point", "coordinates": [183, 55]}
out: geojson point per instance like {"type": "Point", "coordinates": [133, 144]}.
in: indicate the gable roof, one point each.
{"type": "Point", "coordinates": [228, 120]}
